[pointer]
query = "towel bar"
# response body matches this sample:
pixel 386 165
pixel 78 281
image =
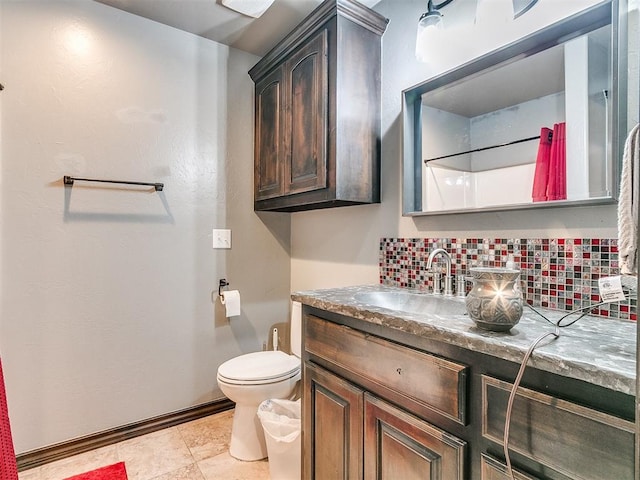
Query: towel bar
pixel 69 181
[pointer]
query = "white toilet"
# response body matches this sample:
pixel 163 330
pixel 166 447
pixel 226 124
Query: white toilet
pixel 250 379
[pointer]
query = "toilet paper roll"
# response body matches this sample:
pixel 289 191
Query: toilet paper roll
pixel 231 301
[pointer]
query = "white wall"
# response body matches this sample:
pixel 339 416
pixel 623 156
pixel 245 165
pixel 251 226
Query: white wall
pixel 106 315
pixel 339 247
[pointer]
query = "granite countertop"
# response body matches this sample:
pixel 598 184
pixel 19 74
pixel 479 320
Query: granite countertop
pixel 597 350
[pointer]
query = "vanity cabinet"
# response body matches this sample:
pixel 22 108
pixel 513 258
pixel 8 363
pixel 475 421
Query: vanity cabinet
pixel 351 432
pixel 382 403
pixel 317 112
pixel 393 444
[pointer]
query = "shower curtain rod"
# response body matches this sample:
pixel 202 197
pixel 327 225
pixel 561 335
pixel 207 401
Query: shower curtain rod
pixel 427 160
pixel 69 181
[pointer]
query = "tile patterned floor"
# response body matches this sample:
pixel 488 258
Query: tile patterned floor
pixel 197 450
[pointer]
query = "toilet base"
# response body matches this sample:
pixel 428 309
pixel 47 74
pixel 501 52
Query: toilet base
pixel 247 435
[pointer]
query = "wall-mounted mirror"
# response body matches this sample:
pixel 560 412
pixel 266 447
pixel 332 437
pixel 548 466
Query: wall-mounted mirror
pixel 538 123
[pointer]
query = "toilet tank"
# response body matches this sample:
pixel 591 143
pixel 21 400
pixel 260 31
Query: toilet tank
pixel 296 329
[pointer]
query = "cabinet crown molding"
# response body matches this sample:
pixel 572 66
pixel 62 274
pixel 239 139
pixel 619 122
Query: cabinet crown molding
pixel 348 9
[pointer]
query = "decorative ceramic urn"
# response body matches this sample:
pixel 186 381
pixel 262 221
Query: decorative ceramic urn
pixel 495 301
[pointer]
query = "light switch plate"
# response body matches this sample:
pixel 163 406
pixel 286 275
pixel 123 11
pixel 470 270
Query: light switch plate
pixel 221 238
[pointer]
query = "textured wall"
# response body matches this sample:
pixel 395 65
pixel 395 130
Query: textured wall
pixel 106 312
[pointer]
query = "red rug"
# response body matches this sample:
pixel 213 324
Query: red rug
pixel 112 472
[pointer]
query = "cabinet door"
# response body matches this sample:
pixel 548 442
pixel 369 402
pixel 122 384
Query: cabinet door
pixel 269 145
pixel 332 429
pixel 492 469
pixel 572 440
pixel 399 445
pixel 305 164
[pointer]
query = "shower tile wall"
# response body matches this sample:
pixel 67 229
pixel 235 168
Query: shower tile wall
pixel 557 273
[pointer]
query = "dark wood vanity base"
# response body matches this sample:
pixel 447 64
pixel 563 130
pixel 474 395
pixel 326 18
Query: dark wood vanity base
pixel 380 402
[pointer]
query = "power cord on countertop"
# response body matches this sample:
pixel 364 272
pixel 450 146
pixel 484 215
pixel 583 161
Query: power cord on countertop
pixel 555 334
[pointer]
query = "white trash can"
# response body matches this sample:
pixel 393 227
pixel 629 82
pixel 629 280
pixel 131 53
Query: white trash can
pixel 281 423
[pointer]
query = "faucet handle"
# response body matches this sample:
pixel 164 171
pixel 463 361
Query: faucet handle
pixel 448 285
pixel 437 282
pixel 461 284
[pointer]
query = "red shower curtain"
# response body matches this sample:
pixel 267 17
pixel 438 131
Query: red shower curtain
pixel 557 189
pixel 550 177
pixel 8 468
pixel 541 176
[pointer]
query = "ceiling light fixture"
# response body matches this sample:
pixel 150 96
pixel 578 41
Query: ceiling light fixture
pixel 250 8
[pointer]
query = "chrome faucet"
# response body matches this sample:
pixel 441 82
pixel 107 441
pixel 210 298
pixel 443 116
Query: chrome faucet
pixel 448 280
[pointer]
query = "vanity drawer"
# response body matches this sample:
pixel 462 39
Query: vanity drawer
pixel 390 369
pixel 573 440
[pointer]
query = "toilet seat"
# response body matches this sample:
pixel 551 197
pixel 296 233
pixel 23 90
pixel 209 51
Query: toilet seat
pixel 259 368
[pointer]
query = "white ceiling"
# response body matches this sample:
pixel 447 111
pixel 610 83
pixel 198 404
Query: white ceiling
pixel 210 19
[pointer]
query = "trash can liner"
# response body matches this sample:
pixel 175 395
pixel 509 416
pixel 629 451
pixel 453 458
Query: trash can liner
pixel 280 419
pixel 281 423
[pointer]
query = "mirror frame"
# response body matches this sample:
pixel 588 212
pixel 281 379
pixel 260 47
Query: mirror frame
pixel 612 12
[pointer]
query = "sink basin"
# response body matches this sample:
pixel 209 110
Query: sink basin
pixel 421 303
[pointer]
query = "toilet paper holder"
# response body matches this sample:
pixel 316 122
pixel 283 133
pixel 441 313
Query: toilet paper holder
pixel 223 283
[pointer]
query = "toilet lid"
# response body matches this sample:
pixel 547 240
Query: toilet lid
pixel 259 366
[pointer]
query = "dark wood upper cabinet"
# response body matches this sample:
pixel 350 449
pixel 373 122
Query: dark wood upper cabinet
pixel 317 112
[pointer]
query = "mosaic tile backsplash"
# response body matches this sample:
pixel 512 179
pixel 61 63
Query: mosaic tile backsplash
pixel 557 273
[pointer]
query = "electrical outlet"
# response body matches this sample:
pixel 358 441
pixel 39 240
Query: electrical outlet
pixel 221 238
